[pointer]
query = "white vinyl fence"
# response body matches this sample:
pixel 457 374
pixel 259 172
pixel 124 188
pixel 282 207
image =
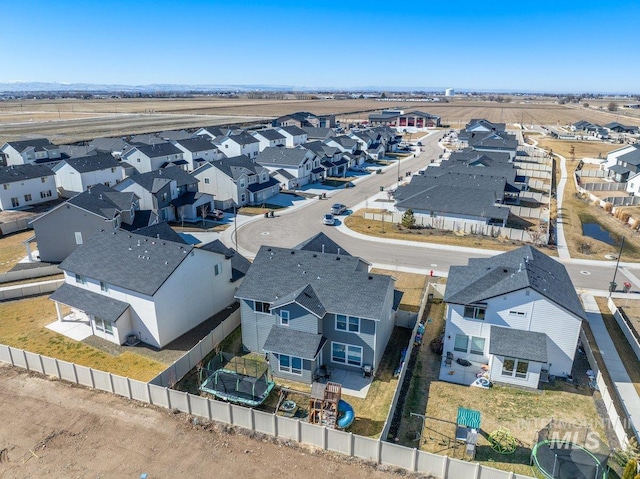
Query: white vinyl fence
pixel 594 173
pixel 462 226
pixel 625 325
pixel 16 225
pixel 604 186
pixel 174 373
pixel 29 273
pixel 33 289
pixel 616 423
pixel 326 439
pixel 535 213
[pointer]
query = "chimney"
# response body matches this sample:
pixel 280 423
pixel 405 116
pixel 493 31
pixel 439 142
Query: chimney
pixel 323 248
pixel 338 250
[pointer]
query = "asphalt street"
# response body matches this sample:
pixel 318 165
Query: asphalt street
pixel 292 227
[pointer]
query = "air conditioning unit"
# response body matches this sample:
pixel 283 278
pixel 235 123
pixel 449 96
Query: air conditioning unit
pixel 132 340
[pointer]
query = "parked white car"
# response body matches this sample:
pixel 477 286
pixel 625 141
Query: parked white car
pixel 329 219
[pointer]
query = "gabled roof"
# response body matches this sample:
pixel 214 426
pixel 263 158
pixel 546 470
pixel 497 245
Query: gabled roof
pixel 518 344
pixel 85 164
pixel 255 187
pixel 525 267
pixel 128 260
pixel 270 134
pixel 156 150
pixel 14 173
pixel 147 139
pixel 160 231
pixel 632 157
pixel 485 123
pixel 343 140
pixel 176 135
pixel 292 130
pixel 76 151
pixel 214 131
pixel 281 156
pixel 199 143
pixel 188 198
pixel 236 166
pixel 321 243
pixel 110 144
pixel 469 155
pixel 317 132
pixel 241 138
pixel 284 173
pixel 38 144
pixel 103 201
pixel 335 280
pixel 154 180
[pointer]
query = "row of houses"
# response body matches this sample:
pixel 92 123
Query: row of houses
pixel 475 185
pixel 602 132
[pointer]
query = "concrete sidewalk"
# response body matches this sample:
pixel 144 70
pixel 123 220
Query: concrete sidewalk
pixel 625 389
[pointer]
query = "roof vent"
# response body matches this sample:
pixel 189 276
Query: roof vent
pixel 315 255
pixel 138 242
pixel 293 252
pixel 166 262
pixel 268 249
pixel 370 277
pixel 298 265
pixel 304 272
pixel 129 248
pixel 337 258
pixel 318 277
pixel 504 270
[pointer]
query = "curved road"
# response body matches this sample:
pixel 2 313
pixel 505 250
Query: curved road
pixel 298 224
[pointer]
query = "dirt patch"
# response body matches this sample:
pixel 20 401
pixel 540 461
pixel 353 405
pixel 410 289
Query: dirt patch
pixel 75 432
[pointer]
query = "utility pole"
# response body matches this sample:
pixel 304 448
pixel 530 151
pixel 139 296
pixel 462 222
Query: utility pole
pixel 612 285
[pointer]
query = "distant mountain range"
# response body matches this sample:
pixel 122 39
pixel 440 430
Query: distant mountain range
pixel 27 86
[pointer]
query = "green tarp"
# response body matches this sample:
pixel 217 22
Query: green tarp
pixel 469 418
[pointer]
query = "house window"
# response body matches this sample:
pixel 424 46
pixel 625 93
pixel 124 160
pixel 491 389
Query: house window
pixel 5 186
pixel 138 159
pixel 350 323
pixel 521 314
pixel 104 287
pixel 290 364
pixel 515 367
pixel 164 197
pixel 477 346
pixel 461 343
pixel 217 269
pixel 103 325
pixel 206 181
pixel 284 318
pixel 113 170
pixel 27 197
pixel 78 235
pixel 80 279
pixel 45 194
pixel 43 179
pixel 475 312
pixel 242 184
pixel 15 202
pixel 263 307
pixel 242 198
pixel 346 354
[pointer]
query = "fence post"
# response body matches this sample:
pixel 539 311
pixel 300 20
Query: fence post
pixel 476 475
pixel 129 388
pixel 75 372
pixel 55 361
pixel 230 411
pixel 379 452
pixel 252 421
pixel 93 381
pixel 414 460
pixel 112 389
pixel 324 437
pixel 298 431
pixel 275 425
pixel 11 358
pixel 351 440
pixel 209 409
pixel 189 404
pixel 445 464
pixel 24 355
pixel 41 363
pixel 168 397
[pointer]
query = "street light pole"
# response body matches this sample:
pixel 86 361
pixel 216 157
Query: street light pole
pixel 235 225
pixel 612 285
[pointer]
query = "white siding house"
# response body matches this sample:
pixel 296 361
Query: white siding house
pixel 76 175
pixel 30 152
pixel 26 185
pixel 515 318
pixel 146 158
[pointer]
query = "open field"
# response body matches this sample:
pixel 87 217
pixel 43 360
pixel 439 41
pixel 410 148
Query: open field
pixel 53 429
pixel 22 325
pixel 67 120
pixel 582 149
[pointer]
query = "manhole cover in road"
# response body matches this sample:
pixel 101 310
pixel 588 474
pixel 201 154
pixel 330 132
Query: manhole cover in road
pixel 433 265
pixel 265 233
pixel 586 273
pixel 610 256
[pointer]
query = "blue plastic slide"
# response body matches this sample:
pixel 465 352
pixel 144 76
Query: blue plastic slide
pixel 347 415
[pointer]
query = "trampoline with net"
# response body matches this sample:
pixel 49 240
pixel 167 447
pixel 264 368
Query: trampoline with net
pixel 561 452
pixel 239 380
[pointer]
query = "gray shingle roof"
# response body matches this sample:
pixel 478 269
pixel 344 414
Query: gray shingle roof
pixel 174 135
pixel 99 305
pixel 103 201
pixel 633 157
pixel 109 144
pixel 321 243
pixel 237 166
pixel 157 150
pixel 525 267
pixel 239 264
pixel 278 155
pixel 254 187
pixel 317 132
pixel 128 260
pixel 299 344
pixel 76 151
pixel 270 134
pixel 12 174
pixel 280 272
pixel 161 231
pixel 85 164
pixel 486 123
pixel 518 344
pixel 199 143
pixel 243 138
pixel 293 130
pixel 149 183
pixel 38 144
pixel 284 173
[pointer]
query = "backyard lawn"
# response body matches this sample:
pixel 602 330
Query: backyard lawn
pixel 411 284
pixel 12 250
pixel 22 325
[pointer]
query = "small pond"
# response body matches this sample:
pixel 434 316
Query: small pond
pixel 595 231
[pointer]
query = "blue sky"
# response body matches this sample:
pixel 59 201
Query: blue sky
pixel 528 46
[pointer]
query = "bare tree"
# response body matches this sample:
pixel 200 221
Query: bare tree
pixel 204 209
pixel 537 234
pixel 181 212
pixel 613 106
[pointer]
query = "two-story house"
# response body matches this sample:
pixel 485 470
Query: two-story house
pixel 238 143
pixel 212 132
pixel 299 119
pixel 293 135
pixel 331 158
pixel 113 146
pixel 515 317
pixel 305 309
pixel 60 230
pixel 146 158
pixel 624 165
pixel 75 175
pixel 30 152
pixel 26 185
pixel 236 181
pixel 198 150
pixel 125 284
pixel 160 189
pixel 269 137
pixel 301 164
